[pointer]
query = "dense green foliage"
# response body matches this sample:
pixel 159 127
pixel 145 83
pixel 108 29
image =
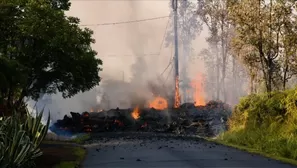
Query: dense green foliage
pixel 43 51
pixel 20 139
pixel 266 123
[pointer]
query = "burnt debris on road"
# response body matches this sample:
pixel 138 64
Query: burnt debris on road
pixel 207 121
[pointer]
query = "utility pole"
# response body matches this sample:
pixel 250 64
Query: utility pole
pixel 176 76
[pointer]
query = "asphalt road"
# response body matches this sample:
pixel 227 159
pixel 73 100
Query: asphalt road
pixel 169 152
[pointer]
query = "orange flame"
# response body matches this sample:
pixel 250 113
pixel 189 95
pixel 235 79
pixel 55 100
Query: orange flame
pixel 159 103
pixel 136 114
pixel 198 95
pixel 177 95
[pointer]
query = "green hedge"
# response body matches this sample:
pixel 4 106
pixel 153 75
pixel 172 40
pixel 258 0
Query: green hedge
pixel 266 123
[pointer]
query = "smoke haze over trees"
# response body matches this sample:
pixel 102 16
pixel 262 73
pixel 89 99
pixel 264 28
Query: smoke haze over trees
pixel 215 39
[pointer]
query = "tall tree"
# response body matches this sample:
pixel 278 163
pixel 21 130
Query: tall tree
pixel 214 14
pixel 44 51
pixel 288 40
pixel 266 26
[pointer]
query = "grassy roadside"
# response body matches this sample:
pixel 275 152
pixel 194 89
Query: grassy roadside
pixel 79 153
pixel 266 125
pixel 63 153
pixel 80 139
pixel 254 151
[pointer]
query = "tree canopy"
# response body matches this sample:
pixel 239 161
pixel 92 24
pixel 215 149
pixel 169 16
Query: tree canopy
pixel 258 35
pixel 43 51
pixel 268 29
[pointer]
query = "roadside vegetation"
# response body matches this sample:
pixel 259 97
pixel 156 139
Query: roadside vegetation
pixel 60 154
pixel 79 154
pixel 20 138
pixel 266 124
pixel 81 138
pixel 254 42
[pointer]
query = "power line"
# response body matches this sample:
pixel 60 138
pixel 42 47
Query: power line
pixel 170 62
pixel 163 39
pixel 168 74
pixel 95 0
pixel 87 0
pixel 167 67
pixel 164 36
pixel 124 22
pixel 129 55
pixel 137 55
pixel 151 54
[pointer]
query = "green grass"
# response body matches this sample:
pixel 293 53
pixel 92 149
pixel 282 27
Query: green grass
pixel 80 139
pixel 79 152
pixel 254 151
pixel 265 125
pixel 67 165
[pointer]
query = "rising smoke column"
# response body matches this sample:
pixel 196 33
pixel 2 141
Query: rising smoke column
pixel 137 45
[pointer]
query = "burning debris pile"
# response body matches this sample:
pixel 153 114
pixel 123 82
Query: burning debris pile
pixel 208 120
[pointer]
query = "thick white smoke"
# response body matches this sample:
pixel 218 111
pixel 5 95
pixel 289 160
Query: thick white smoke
pixel 131 68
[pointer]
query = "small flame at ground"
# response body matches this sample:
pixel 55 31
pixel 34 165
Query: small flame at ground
pixel 119 122
pixel 198 95
pixel 159 103
pixel 144 125
pixel 136 114
pixel 177 95
pixel 98 110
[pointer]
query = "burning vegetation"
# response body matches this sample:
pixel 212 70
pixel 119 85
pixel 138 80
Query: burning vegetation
pixel 159 103
pixel 197 85
pixel 135 113
pixel 177 95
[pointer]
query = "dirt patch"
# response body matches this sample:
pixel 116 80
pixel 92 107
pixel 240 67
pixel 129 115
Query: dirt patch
pixel 55 153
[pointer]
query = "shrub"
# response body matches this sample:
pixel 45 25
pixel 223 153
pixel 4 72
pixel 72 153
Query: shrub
pixel 20 139
pixel 267 123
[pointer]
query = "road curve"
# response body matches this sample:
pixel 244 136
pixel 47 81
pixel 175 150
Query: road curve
pixel 138 151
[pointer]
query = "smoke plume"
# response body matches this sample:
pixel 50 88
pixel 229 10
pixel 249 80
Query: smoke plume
pixel 132 66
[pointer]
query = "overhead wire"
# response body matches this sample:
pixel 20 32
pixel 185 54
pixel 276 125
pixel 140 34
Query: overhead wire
pixel 130 55
pixel 166 67
pixel 124 22
pixel 164 36
pixel 87 0
pixel 150 54
pixel 169 65
pixel 169 72
pixel 136 21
